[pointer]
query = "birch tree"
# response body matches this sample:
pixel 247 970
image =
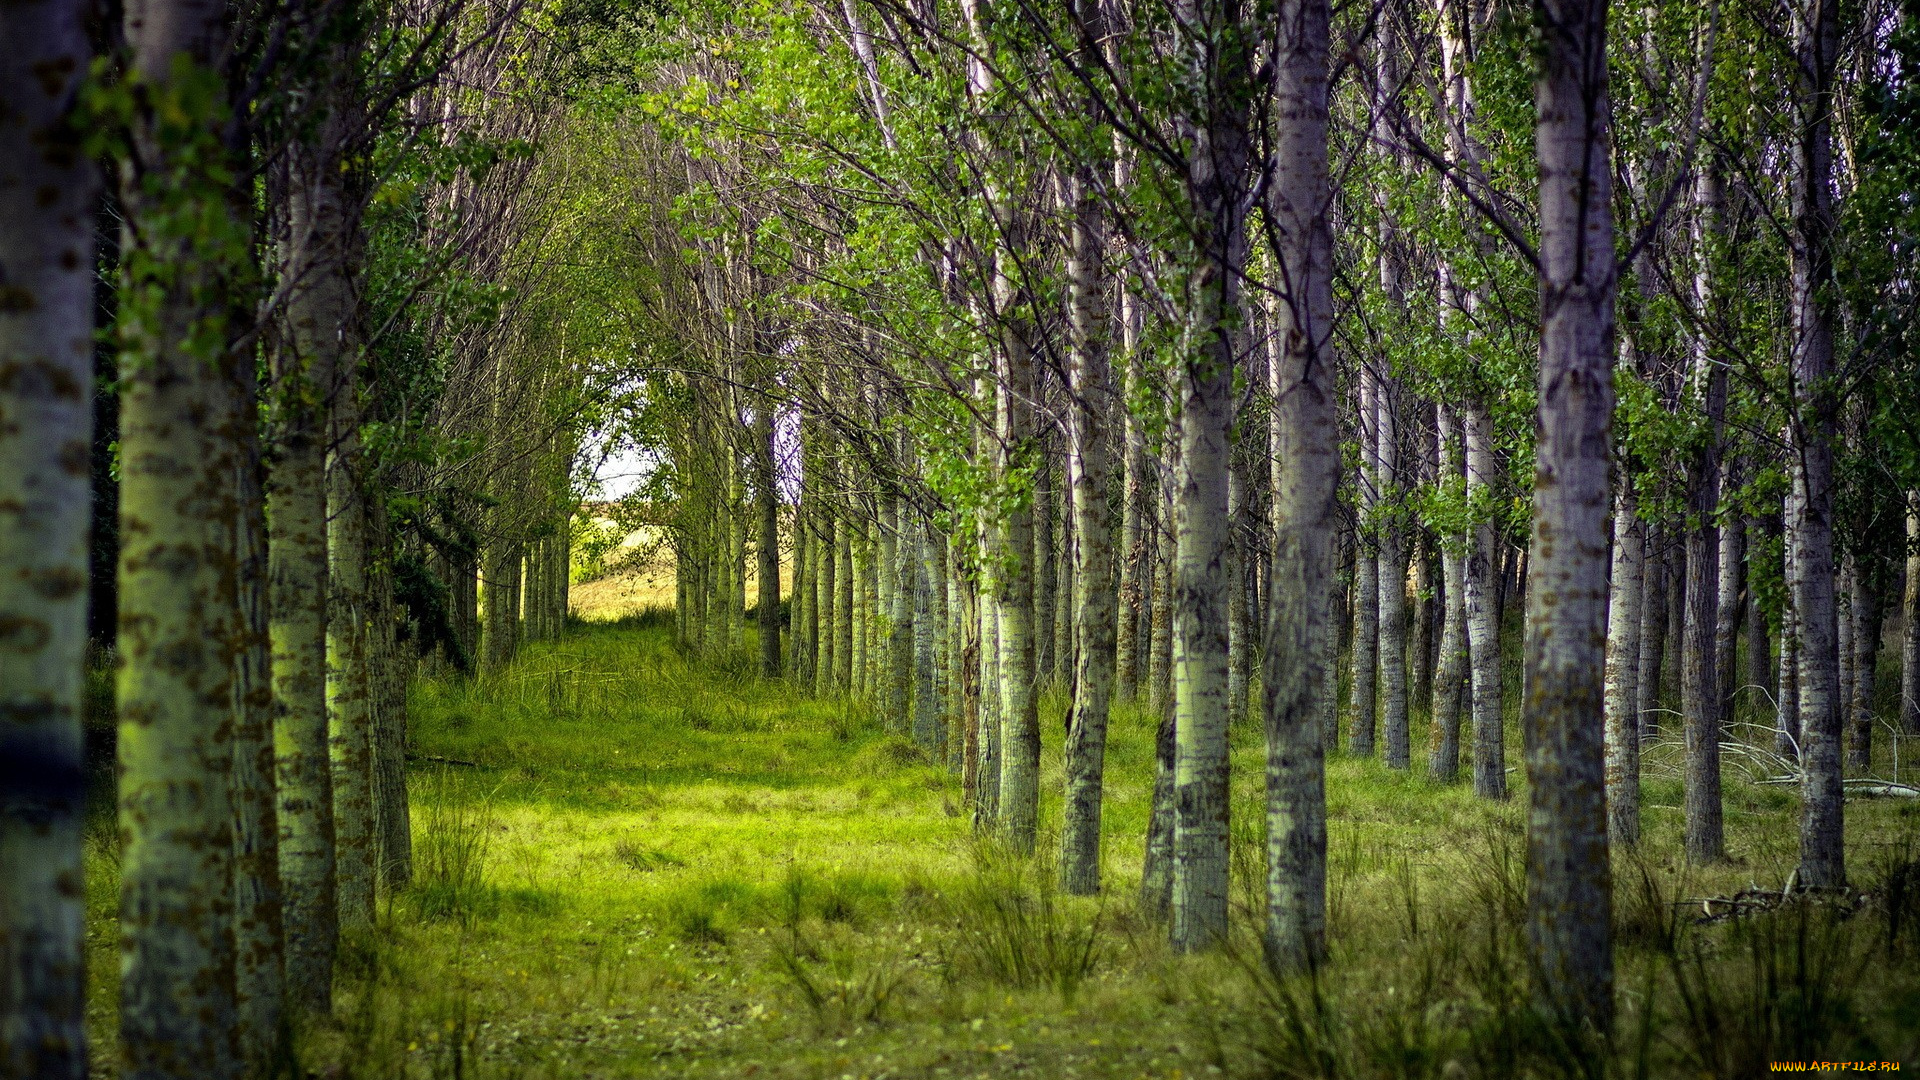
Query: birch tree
pixel 1568 878
pixel 1816 48
pixel 176 573
pixel 47 192
pixel 1300 628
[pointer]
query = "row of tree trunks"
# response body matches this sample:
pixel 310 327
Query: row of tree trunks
pixel 544 602
pixel 1626 615
pixel 260 675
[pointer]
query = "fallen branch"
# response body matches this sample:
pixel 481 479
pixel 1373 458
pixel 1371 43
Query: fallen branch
pixel 1755 900
pixel 1859 785
pixel 1884 788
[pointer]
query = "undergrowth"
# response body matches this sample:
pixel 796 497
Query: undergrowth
pixel 629 865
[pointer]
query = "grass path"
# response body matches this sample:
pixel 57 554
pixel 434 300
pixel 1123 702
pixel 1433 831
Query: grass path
pixel 653 871
pixel 627 867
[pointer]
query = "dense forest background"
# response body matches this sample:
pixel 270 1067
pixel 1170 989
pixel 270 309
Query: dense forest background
pixel 1284 538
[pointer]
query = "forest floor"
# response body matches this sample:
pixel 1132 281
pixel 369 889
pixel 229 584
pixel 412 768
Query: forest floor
pixel 630 866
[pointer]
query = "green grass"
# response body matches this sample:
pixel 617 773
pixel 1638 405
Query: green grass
pixel 651 869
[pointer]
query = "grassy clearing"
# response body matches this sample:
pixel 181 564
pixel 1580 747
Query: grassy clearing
pixel 652 870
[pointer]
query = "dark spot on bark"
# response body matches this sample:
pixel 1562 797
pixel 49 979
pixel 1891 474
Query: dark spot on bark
pixel 55 74
pixel 38 378
pixel 75 459
pixel 69 259
pixel 47 196
pixel 179 657
pixel 41 778
pixel 58 583
pixel 23 635
pixel 15 299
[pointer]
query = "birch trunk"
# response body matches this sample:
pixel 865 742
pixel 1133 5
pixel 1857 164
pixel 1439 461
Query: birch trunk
pixel 826 666
pixel 258 931
pixel 1910 607
pixel 177 1009
pixel 1786 737
pixel 992 708
pixel 1726 626
pixel 767 573
pixel 886 564
pixel 929 624
pixel 1420 642
pixel 349 719
pixel 390 662
pixel 1483 613
pixel 1450 668
pixel 860 604
pixel 1238 620
pixel 1569 888
pixel 1156 868
pixel 960 632
pixel 1364 655
pixel 902 627
pixel 1160 606
pixel 1201 582
pixel 176 581
pixel 304 365
pixel 1089 475
pixel 1653 631
pixel 1136 573
pixel 1822 828
pixel 798 668
pixel 1219 39
pixel 1759 653
pixel 1394 726
pixel 1866 651
pixel 1846 585
pixel 499 564
pixel 736 541
pixel 1460 24
pixel 1045 574
pixel 1300 628
pixel 48 190
pixel 462 567
pixel 1623 669
pixel 1702 694
pixel 966 677
pixel 1019 744
pixel 1674 658
pixel 806 643
pixel 1065 588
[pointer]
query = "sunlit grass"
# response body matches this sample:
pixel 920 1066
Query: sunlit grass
pixel 628 865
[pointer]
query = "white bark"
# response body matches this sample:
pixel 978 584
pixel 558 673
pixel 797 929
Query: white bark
pixel 1623 668
pixel 1093 600
pixel 1301 629
pixel 1569 887
pixel 47 192
pixel 1910 606
pixel 1822 828
pixel 1483 614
